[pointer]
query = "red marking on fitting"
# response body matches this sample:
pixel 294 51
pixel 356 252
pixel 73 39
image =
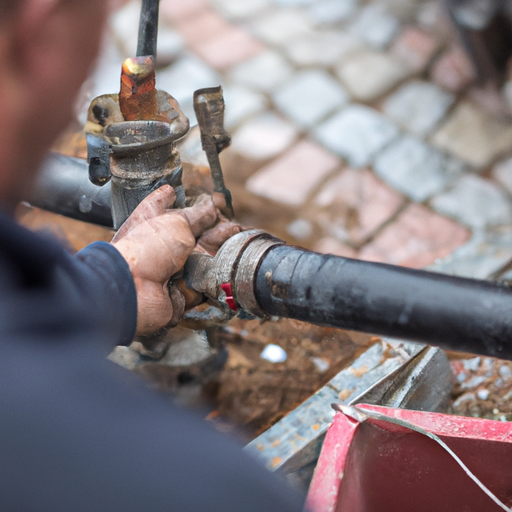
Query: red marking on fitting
pixel 230 301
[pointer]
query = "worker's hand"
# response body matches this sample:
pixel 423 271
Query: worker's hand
pixel 156 242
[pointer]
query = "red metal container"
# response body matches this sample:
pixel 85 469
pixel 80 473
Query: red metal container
pixel 377 459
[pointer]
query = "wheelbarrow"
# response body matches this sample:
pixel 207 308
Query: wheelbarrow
pixel 378 459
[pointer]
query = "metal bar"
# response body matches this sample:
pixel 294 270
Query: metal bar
pixel 148 28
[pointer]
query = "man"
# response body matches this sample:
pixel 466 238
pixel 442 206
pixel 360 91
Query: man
pixel 78 433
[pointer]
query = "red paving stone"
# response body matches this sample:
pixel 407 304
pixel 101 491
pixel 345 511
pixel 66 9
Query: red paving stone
pixel 291 178
pixel 173 11
pixel 453 70
pixel 416 239
pixel 357 203
pixel 229 48
pixel 204 26
pixel 329 245
pixel 415 47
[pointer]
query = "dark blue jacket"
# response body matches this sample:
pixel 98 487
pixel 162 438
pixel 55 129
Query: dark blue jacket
pixel 78 433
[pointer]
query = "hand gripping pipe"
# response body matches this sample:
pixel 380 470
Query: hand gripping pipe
pixel 258 273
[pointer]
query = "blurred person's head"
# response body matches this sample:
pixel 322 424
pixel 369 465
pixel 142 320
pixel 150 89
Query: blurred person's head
pixel 47 48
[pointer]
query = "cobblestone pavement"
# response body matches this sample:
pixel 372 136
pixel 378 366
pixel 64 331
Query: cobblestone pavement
pixel 357 126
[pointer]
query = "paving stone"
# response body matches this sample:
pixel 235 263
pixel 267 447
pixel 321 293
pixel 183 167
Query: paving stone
pixel 453 70
pixel 264 72
pixel 301 229
pixel 416 169
pixel 387 71
pixel 172 11
pixel 375 26
pixel 503 173
pixel 355 204
pixel 475 202
pixel 473 135
pixel 416 239
pixel 236 10
pixel 418 106
pixel 328 12
pixel 486 253
pixel 205 25
pixel 415 47
pixel 241 103
pixel 280 26
pixel 124 23
pixel 324 48
pixel 309 96
pixel 292 177
pixel 229 48
pixel 330 245
pixel 357 133
pixel 263 137
pixel 183 78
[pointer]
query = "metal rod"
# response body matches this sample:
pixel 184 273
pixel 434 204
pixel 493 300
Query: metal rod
pixel 148 28
pixel 454 313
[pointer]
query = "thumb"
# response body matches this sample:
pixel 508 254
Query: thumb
pixel 200 216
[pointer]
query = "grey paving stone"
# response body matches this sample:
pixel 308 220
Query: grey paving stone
pixel 369 74
pixel 503 173
pixel 328 12
pixel 241 103
pixel 324 48
pixel 183 78
pixel 418 106
pixel 375 26
pixel 263 72
pixel 236 10
pixel 263 137
pixel 474 135
pixel 475 202
pixel 310 96
pixel 415 168
pixel 357 133
pixel 485 254
pixel 278 27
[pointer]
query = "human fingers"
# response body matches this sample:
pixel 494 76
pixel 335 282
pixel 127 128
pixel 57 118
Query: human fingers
pixel 153 205
pixel 201 215
pixel 212 239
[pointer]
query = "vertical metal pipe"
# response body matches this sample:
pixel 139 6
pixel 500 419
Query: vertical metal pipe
pixel 148 28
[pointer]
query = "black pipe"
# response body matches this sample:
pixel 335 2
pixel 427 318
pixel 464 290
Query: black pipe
pixel 148 28
pixel 63 187
pixel 454 313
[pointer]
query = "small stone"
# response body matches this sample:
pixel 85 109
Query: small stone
pixel 301 229
pixel 483 394
pixel 321 364
pixel 240 10
pixel 503 173
pixel 280 26
pixel 310 96
pixel 415 239
pixel 328 12
pixel 292 177
pixel 274 354
pixel 415 47
pixel 264 72
pixel 375 26
pixel 471 365
pixel 453 70
pixel 357 133
pixel 418 106
pixel 355 204
pixel 323 48
pixel 368 74
pixel 474 135
pixel 228 48
pixel 416 169
pixel 183 78
pixel 505 372
pixel 330 245
pixel 475 202
pixel 241 103
pixel 263 137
